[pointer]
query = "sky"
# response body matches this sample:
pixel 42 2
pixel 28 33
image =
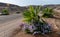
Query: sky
pixel 31 2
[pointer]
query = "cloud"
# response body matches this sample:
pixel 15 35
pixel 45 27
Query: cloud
pixel 31 2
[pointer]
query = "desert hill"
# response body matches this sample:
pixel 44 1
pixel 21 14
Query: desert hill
pixel 15 8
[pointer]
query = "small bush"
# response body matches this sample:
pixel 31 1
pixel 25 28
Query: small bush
pixel 17 12
pixel 5 12
pixel 47 12
pixel 36 25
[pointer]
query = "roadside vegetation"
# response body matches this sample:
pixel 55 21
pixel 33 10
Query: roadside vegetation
pixel 34 23
pixel 5 12
pixel 48 12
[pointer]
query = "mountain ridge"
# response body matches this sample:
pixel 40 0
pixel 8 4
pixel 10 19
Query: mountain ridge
pixel 15 8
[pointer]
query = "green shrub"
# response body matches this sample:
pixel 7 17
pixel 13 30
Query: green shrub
pixel 17 12
pixel 47 12
pixel 5 12
pixel 31 16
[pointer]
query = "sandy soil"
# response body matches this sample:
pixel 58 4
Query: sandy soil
pixel 55 27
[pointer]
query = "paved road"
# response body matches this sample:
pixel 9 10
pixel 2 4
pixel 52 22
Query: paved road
pixel 9 29
pixel 8 24
pixel 7 18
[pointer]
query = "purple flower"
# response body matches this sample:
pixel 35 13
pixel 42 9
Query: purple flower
pixel 25 26
pixel 30 28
